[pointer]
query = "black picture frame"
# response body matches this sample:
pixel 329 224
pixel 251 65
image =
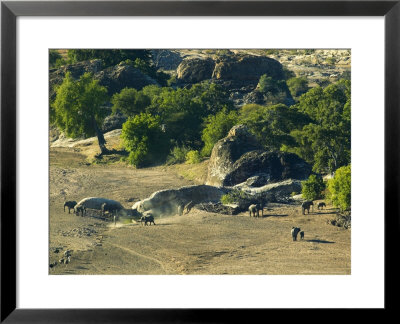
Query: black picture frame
pixel 10 10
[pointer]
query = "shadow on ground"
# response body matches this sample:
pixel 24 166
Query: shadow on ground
pixel 320 241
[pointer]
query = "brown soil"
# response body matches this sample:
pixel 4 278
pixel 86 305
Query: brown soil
pixel 195 243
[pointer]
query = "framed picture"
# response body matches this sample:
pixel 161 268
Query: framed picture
pixel 36 282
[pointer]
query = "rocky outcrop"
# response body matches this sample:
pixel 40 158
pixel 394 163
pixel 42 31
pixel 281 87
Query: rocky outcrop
pixel 248 68
pixel 195 70
pixel 166 59
pixel 56 76
pixel 236 74
pixel 268 166
pixel 118 77
pixel 227 151
pixel 113 122
pixel 170 201
pixel 114 78
pixel 273 192
pixel 238 158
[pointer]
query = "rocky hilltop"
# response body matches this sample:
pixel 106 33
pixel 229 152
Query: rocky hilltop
pixel 114 78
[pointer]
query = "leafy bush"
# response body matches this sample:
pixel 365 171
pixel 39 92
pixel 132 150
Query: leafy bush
pixel 297 86
pixel 313 187
pixel 235 196
pixel 272 124
pixel 216 127
pixel 339 188
pixel 109 56
pixel 267 84
pixel 55 59
pixel 193 157
pixel 177 155
pixel 130 102
pixel 143 138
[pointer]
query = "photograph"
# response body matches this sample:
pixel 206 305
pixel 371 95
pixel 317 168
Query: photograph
pixel 213 161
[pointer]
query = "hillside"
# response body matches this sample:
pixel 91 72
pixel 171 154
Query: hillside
pixel 195 140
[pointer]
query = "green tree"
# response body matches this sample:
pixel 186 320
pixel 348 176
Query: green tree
pixel 109 57
pixel 144 139
pixel 130 102
pixel 339 188
pixel 325 142
pixel 274 91
pixel 297 86
pixel 272 124
pixel 55 59
pixel 216 127
pixel 77 107
pixel 268 84
pixel 183 110
pixel 312 187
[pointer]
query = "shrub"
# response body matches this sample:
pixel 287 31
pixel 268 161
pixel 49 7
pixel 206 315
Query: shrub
pixel 313 187
pixel 235 196
pixel 193 157
pixel 297 86
pixel 216 127
pixel 339 188
pixel 266 84
pixel 130 102
pixel 144 140
pixel 177 155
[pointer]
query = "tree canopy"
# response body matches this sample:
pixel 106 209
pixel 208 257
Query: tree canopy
pixel 144 139
pixel 326 140
pixel 78 107
pixel 272 124
pixel 109 56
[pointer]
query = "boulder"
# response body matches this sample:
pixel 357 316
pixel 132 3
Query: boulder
pixel 238 157
pixel 113 122
pixel 227 151
pixel 167 202
pixel 166 59
pixel 195 70
pixel 248 68
pixel 272 192
pixel 118 77
pixel 56 76
pixel 268 166
pixel 114 78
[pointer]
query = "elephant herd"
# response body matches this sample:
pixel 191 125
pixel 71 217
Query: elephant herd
pixel 105 206
pixel 254 210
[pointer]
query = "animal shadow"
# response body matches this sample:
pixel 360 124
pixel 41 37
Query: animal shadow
pixel 275 215
pixel 320 241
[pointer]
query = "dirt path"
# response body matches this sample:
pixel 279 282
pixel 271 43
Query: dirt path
pixel 195 243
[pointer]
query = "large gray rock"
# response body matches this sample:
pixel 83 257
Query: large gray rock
pixel 96 202
pixel 166 59
pixel 169 201
pixel 248 68
pixel 195 70
pixel 273 192
pixel 113 122
pixel 227 151
pixel 238 157
pixel 118 77
pixel 56 76
pixel 269 166
pixel 114 78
